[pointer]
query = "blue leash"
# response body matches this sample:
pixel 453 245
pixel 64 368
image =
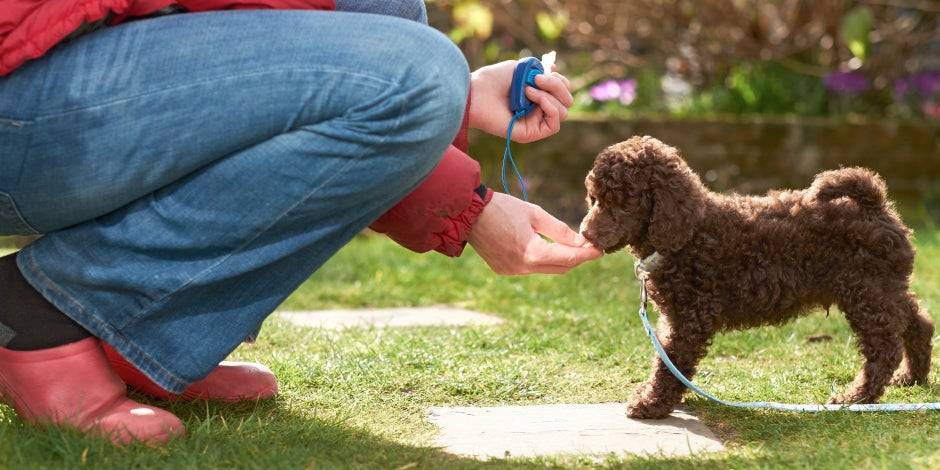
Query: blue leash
pixel 507 156
pixel 768 405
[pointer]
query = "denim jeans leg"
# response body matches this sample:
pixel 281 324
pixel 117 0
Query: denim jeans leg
pixel 414 10
pixel 236 171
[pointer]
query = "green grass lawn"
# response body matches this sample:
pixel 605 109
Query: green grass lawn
pixel 359 398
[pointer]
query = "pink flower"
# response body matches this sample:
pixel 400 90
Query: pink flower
pixel 931 110
pixel 605 91
pixel 621 90
pixel 627 92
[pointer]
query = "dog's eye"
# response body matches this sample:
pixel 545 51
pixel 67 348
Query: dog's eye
pixel 592 201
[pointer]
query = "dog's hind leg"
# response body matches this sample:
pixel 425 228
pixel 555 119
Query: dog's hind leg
pixel 879 329
pixel 685 345
pixel 917 338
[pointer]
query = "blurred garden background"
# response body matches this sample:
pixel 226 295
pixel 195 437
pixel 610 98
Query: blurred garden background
pixel 756 94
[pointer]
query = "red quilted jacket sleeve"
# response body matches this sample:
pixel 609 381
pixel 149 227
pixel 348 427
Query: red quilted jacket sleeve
pixel 207 5
pixel 146 7
pixel 439 213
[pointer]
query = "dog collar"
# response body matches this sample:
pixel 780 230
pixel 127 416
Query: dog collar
pixel 643 267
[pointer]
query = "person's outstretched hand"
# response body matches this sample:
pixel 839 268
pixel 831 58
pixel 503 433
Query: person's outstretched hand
pixel 507 237
pixel 489 102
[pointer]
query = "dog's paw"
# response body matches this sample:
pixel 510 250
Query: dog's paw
pixel 643 411
pixel 902 379
pixel 649 403
pixel 906 379
pixel 851 398
pixel 839 400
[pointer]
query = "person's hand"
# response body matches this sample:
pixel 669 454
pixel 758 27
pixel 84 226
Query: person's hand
pixel 489 102
pixel 507 237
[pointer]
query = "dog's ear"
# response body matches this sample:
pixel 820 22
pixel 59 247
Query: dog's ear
pixel 678 205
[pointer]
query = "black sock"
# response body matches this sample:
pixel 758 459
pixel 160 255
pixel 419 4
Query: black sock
pixel 27 320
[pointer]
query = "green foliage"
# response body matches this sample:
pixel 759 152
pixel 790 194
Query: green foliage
pixel 649 91
pixel 551 25
pixel 471 19
pixel 856 26
pixel 932 205
pixel 767 88
pixel 763 88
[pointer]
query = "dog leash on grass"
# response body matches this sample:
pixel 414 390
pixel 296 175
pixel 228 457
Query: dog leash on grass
pixel 641 269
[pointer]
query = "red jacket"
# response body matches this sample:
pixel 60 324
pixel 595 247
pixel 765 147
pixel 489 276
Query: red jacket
pixel 438 214
pixel 435 216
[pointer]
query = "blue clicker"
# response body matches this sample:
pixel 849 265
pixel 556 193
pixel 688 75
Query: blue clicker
pixel 520 106
pixel 525 73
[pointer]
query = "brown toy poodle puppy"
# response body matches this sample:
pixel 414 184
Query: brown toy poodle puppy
pixel 729 262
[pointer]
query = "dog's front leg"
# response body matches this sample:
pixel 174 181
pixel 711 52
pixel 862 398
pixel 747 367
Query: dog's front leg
pixel 876 319
pixel 686 344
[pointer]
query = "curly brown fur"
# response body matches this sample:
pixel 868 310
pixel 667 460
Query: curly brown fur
pixel 732 262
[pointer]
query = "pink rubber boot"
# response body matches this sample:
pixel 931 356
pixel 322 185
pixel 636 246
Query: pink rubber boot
pixel 231 381
pixel 74 386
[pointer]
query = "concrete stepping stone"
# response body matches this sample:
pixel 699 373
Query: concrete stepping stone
pixel 389 317
pixel 592 429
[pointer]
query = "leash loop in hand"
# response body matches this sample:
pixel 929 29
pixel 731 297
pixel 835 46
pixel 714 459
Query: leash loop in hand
pixel 507 157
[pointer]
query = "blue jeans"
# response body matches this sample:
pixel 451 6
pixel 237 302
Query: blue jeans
pixel 190 171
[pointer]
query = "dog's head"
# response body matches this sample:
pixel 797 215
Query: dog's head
pixel 641 194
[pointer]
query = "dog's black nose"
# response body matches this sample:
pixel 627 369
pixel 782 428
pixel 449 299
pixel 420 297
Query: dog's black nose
pixel 589 236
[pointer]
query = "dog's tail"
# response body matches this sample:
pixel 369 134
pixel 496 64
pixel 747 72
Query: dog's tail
pixel 862 185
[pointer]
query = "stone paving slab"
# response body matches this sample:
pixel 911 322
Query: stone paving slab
pixel 389 317
pixel 592 429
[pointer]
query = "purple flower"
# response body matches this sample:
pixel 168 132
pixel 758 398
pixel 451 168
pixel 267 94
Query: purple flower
pixel 847 83
pixel 608 90
pixel 926 83
pixel 901 86
pixel 923 83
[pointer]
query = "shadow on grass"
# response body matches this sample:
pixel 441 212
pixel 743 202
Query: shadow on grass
pixel 768 439
pixel 278 434
pixel 252 435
